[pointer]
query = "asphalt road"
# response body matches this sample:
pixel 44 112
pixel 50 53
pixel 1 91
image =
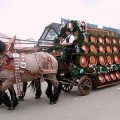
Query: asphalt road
pixel 100 104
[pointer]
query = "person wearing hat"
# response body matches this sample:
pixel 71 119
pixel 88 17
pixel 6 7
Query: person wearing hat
pixel 68 42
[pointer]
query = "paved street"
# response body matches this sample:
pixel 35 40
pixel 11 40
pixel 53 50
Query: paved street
pixel 100 104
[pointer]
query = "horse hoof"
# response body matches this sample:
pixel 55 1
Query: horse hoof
pixel 11 108
pixel 20 98
pixel 52 102
pixel 1 103
pixel 37 97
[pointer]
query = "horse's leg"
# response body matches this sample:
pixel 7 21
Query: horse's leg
pixel 57 88
pixel 23 92
pixel 38 89
pixel 14 100
pixel 1 100
pixel 6 100
pixel 49 89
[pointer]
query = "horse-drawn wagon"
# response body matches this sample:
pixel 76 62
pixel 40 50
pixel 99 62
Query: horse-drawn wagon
pixel 96 64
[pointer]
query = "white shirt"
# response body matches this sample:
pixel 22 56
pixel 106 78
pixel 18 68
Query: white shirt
pixel 71 38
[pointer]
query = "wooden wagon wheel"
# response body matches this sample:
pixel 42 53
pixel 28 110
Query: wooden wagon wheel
pixel 84 85
pixel 67 87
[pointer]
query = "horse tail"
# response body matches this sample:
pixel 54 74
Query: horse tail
pixel 32 84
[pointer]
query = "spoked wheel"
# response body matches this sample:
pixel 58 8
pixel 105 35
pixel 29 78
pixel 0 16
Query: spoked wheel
pixel 67 87
pixel 84 85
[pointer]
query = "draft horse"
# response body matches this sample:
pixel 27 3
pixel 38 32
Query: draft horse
pixel 36 65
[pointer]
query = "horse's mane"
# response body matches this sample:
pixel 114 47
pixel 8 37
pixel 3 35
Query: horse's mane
pixel 2 46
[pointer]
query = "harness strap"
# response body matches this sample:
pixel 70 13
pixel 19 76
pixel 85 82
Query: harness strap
pixel 23 71
pixel 49 65
pixel 19 84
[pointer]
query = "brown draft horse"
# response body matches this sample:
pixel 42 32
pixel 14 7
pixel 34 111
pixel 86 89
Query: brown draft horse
pixel 36 63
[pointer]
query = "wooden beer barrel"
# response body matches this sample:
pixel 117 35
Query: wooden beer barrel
pixel 116 48
pixel 119 41
pixel 108 40
pixel 117 75
pixel 101 79
pixel 101 47
pixel 85 47
pixel 102 59
pixel 93 39
pixel 108 48
pixel 109 58
pixel 93 48
pixel 116 58
pixel 107 77
pixel 93 59
pixel 113 76
pixel 83 61
pixel 86 39
pixel 114 41
pixel 101 39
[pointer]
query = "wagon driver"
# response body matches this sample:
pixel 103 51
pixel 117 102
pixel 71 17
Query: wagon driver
pixel 68 42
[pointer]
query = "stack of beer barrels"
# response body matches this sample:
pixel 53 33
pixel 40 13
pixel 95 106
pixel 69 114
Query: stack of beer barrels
pixel 103 53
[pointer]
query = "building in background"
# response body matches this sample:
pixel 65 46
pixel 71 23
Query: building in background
pixel 49 34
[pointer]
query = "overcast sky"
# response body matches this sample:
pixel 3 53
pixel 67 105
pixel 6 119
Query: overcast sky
pixel 28 18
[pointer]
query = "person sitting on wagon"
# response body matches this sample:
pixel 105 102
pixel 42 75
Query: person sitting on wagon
pixel 68 42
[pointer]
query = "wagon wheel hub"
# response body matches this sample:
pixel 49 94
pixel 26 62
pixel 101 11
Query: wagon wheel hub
pixel 86 86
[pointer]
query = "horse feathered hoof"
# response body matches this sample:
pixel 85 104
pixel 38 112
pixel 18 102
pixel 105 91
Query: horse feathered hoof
pixel 37 97
pixel 11 108
pixel 0 103
pixel 52 102
pixel 20 98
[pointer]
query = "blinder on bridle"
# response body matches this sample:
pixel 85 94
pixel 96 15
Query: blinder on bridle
pixel 2 46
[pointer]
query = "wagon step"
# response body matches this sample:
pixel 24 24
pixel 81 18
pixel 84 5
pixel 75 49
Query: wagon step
pixel 108 84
